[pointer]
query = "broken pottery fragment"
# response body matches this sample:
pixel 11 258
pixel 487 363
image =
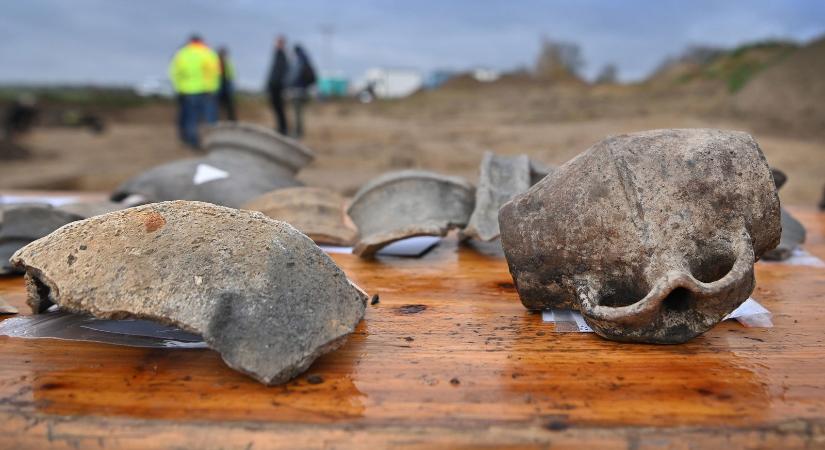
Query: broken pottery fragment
pixel 7 248
pixel 23 223
pixel 259 292
pixel 793 232
pixel 317 212
pixel 500 178
pixel 408 203
pixel 779 177
pixel 244 161
pixel 652 235
pixel 539 171
pixel 251 138
pixel 91 209
pixel 793 235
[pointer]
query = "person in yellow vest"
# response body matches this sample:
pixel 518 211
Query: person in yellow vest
pixel 226 93
pixel 195 72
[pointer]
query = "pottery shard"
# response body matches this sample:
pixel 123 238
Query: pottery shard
pixel 779 177
pixel 259 292
pixel 793 232
pixel 408 203
pixel 256 139
pixel 538 171
pixel 500 178
pixel 23 223
pixel 319 213
pixel 91 209
pixel 793 235
pixel 244 161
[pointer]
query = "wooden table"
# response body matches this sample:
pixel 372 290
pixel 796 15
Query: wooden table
pixel 448 358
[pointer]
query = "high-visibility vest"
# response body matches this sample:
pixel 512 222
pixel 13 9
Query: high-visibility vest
pixel 195 69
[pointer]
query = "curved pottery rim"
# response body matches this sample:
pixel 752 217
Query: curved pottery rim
pixel 410 174
pixel 214 141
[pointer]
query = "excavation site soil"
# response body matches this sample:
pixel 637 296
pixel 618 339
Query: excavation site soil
pixel 445 130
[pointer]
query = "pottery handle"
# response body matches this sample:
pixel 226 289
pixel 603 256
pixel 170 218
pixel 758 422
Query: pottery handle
pixel 740 274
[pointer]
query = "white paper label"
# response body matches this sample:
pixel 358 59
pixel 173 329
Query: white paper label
pixel 205 173
pixel 566 321
pixel 748 308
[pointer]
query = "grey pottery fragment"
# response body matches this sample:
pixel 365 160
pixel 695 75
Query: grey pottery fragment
pixel 251 138
pixel 539 171
pixel 91 209
pixel 7 248
pixel 258 291
pixel 652 235
pixel 779 178
pixel 501 178
pixel 408 203
pixel 250 160
pixel 23 223
pixel 317 212
pixel 793 232
pixel 793 235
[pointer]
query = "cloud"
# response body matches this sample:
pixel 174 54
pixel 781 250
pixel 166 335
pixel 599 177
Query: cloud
pixel 99 41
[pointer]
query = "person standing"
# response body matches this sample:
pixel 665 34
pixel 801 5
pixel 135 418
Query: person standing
pixel 277 82
pixel 226 93
pixel 195 75
pixel 303 78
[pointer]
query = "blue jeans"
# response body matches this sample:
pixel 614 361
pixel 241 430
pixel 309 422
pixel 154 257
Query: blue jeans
pixel 194 109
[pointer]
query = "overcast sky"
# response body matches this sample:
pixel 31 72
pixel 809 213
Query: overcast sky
pixel 108 41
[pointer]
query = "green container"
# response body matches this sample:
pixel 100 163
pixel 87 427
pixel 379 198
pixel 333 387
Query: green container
pixel 332 86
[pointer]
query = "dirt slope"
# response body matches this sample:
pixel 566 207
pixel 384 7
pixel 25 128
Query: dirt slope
pixel 791 93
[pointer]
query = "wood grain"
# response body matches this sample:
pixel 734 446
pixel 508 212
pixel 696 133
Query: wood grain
pixel 448 358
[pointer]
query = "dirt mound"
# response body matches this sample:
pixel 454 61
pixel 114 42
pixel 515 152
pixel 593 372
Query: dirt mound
pixel 727 69
pixel 791 93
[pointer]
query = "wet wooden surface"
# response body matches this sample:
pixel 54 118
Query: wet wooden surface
pixel 448 358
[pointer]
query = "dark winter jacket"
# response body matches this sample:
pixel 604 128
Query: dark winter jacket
pixel 278 73
pixel 304 74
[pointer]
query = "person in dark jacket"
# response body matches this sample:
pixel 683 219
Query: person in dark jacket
pixel 226 93
pixel 303 77
pixel 277 82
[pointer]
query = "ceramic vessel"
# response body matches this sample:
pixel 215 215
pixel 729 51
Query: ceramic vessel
pixel 652 235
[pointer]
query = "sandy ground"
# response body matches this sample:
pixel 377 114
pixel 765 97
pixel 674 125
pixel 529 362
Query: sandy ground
pixel 356 142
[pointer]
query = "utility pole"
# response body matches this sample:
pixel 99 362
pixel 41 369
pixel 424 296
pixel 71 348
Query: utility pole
pixel 328 33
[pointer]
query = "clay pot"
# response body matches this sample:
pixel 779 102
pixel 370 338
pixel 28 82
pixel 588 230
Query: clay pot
pixel 652 236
